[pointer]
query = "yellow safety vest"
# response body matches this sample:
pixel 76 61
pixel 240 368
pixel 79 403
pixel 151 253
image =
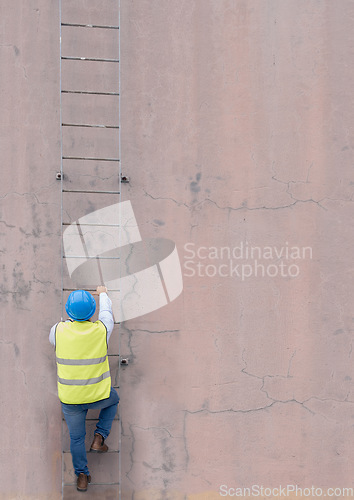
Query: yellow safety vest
pixel 82 362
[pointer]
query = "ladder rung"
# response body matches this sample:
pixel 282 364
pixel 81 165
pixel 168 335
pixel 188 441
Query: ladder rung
pixel 85 191
pixel 89 158
pixel 92 225
pixel 93 484
pixel 76 25
pixel 89 126
pixel 88 289
pixel 89 92
pixel 91 419
pixel 95 419
pixel 89 258
pixel 95 59
pixel 109 451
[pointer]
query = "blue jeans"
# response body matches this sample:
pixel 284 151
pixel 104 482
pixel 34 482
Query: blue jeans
pixel 75 416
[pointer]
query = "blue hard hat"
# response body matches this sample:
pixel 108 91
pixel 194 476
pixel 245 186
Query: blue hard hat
pixel 80 305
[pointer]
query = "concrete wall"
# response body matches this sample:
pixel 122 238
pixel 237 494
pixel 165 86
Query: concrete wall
pixel 236 133
pixel 30 249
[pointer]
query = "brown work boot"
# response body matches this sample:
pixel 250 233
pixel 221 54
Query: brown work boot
pixel 98 444
pixel 82 481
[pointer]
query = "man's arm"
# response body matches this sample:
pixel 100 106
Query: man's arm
pixel 105 314
pixel 52 334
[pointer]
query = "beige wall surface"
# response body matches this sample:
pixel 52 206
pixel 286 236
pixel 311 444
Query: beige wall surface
pixel 30 249
pixel 237 136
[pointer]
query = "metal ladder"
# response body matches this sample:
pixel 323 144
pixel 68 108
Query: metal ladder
pixel 90 177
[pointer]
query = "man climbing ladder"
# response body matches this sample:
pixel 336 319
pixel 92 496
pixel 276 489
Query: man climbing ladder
pixel 84 380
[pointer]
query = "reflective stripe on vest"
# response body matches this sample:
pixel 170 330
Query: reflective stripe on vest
pixel 87 381
pixel 93 361
pixel 82 362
